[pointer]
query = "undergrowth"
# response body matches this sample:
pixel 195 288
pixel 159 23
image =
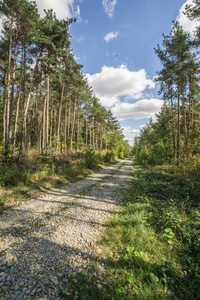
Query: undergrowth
pixel 38 173
pixel 151 248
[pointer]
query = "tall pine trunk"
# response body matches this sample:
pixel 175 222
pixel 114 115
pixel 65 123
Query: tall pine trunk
pixel 59 116
pixel 173 128
pixel 101 136
pixel 90 134
pixel 184 117
pixel 189 109
pixel 51 125
pixel 178 128
pixel 65 127
pixel 13 84
pixel 73 124
pixel 18 104
pixel 8 84
pixel 4 107
pixel 78 129
pixel 44 125
pixel 68 124
pixel 47 114
pixel 86 130
pixel 39 129
pixel 93 135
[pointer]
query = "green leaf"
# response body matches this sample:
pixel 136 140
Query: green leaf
pixel 130 249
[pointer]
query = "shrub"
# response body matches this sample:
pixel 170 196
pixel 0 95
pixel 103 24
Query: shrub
pixel 90 159
pixel 12 176
pixel 110 156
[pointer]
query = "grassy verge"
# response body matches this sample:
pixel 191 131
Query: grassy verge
pixel 151 249
pixel 38 174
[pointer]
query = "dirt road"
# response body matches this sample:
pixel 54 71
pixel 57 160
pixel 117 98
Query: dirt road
pixel 45 239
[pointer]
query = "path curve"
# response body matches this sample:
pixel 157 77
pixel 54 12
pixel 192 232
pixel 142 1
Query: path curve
pixel 43 240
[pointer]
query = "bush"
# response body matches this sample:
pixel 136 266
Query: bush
pixel 110 156
pixel 91 159
pixel 12 176
pixel 143 157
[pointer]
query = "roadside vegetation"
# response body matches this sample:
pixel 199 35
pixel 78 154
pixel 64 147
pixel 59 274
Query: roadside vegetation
pixel 37 174
pixel 151 247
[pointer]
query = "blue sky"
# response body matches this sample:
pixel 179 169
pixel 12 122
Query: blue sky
pixel 114 41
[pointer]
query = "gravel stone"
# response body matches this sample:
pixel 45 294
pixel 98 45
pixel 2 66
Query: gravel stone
pixel 3 278
pixel 20 297
pixel 55 234
pixel 54 279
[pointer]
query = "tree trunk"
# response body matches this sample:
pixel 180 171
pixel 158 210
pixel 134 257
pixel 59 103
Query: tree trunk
pixel 24 94
pixel 73 124
pixel 86 130
pixel 16 119
pixel 8 84
pixel 18 103
pixel 189 109
pixel 173 128
pixel 178 128
pixel 44 125
pixel 93 137
pixel 90 134
pixel 184 122
pixel 13 83
pixel 59 116
pixel 61 139
pixel 101 137
pixel 78 129
pixel 47 110
pixel 51 126
pixel 30 128
pixel 106 139
pixel 65 127
pixel 4 108
pixel 39 131
pixel 68 124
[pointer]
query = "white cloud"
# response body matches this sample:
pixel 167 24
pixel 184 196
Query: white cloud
pixel 77 14
pixel 113 83
pixel 111 35
pixel 130 134
pixel 63 8
pixel 76 57
pixel 138 110
pixel 114 54
pixel 187 24
pixel 128 131
pixel 79 39
pixel 109 6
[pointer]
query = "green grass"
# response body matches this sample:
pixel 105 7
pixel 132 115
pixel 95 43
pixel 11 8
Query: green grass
pixel 151 249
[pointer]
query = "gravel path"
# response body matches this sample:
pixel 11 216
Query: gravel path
pixel 45 239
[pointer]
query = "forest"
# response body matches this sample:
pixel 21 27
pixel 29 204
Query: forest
pixel 48 110
pixel 174 137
